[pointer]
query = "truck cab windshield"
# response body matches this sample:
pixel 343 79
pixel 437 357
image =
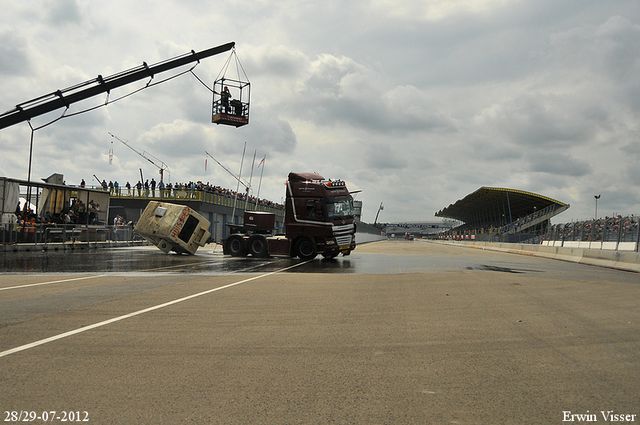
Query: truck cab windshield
pixel 339 206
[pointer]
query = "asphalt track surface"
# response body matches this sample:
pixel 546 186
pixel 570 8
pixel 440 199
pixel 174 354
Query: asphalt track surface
pixel 397 333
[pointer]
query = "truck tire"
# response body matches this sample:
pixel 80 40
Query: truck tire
pixel 258 246
pixel 236 246
pixel 305 249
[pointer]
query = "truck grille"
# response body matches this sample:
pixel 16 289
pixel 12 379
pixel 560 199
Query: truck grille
pixel 342 229
pixel 343 240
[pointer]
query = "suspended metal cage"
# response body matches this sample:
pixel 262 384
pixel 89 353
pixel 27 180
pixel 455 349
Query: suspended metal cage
pixel 231 96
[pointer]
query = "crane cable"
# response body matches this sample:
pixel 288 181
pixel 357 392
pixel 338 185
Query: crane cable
pixel 239 66
pixel 223 71
pixel 108 101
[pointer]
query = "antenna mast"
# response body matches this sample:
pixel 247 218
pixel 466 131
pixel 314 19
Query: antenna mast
pixel 162 167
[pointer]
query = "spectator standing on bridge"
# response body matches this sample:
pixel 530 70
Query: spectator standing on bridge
pixel 128 186
pixel 82 183
pixel 153 187
pixel 139 187
pixel 146 188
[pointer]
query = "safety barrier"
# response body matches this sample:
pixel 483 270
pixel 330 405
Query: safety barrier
pixel 15 237
pixel 629 261
pixel 609 233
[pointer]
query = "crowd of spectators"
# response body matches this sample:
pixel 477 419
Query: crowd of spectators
pixel 30 225
pixel 607 229
pixel 28 220
pixel 77 213
pixel 169 190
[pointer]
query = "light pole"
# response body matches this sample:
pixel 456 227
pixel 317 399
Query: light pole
pixel 596 197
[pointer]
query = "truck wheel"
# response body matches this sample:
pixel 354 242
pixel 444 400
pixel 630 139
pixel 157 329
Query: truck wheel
pixel 305 249
pixel 235 246
pixel 258 246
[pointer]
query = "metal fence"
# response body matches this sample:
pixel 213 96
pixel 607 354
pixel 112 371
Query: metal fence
pixel 199 195
pixel 63 236
pixel 613 233
pixel 522 238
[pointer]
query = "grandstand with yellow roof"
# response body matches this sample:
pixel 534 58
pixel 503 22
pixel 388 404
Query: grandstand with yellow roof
pixel 501 214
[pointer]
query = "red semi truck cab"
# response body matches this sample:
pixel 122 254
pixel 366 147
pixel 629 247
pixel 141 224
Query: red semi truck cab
pixel 319 216
pixel 318 219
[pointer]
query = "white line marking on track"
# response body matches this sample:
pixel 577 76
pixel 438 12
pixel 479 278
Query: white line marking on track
pixel 49 283
pixel 139 312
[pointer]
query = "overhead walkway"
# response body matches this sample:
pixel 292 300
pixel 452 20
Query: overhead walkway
pixel 195 195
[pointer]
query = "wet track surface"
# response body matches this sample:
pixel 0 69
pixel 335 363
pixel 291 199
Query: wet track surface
pixel 148 260
pixel 207 261
pixel 398 332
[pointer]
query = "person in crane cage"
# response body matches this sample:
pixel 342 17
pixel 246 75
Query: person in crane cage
pixel 224 99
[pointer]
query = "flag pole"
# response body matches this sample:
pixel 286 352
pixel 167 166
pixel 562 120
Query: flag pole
pixel 235 200
pixel 260 184
pixel 251 176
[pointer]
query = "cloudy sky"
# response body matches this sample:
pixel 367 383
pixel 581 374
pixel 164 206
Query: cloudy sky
pixel 417 103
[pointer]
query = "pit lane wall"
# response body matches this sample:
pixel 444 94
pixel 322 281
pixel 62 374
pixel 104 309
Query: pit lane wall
pixel 621 260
